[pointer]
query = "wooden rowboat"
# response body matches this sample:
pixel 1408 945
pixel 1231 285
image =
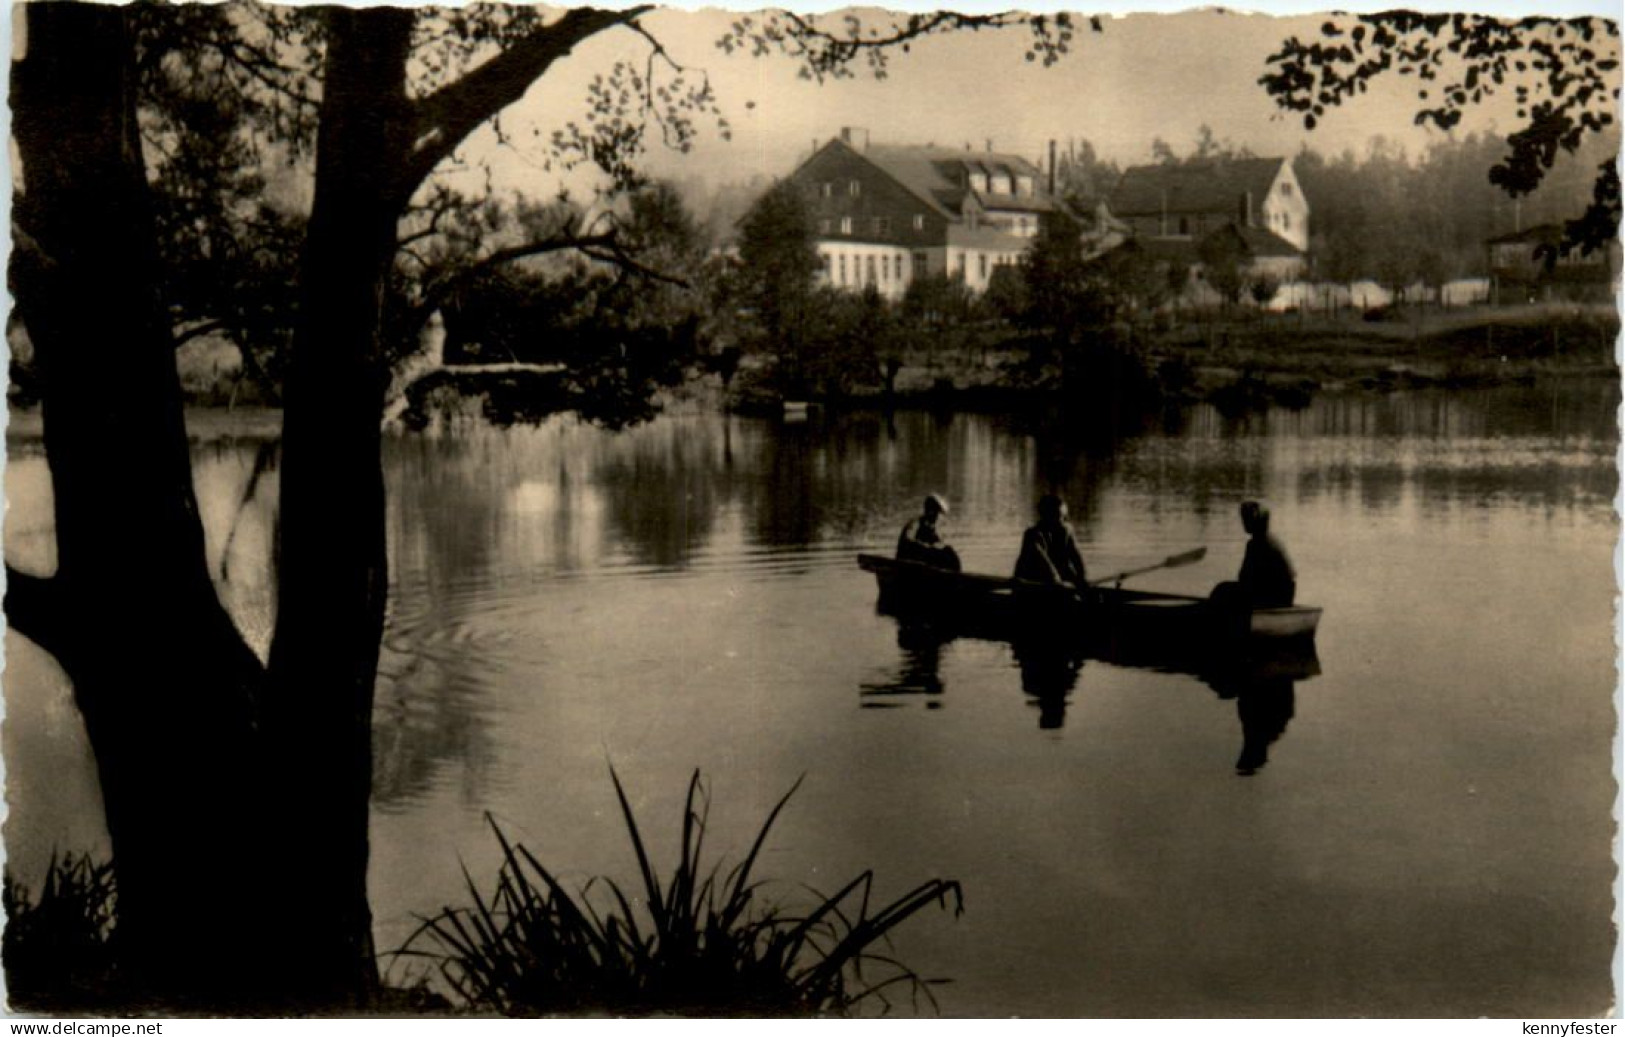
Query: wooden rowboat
pixel 993 606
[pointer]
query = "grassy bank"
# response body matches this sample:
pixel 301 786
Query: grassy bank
pixel 1255 359
pixel 1398 347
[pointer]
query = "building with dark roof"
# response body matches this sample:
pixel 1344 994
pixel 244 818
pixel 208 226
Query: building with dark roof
pixel 1194 199
pixel 1530 265
pixel 1257 199
pixel 888 214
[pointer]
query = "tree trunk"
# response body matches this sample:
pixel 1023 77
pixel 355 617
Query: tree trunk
pixel 165 684
pixel 332 578
pixel 237 795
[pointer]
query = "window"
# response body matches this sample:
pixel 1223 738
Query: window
pixel 1024 185
pixel 1286 190
pixel 823 261
pixel 978 182
pixel 983 265
pixel 842 279
pixel 1184 225
pixel 919 221
pixel 882 226
pixel 1000 184
pixel 854 188
pixel 846 225
pixel 826 189
pixel 899 265
pixel 922 265
pixel 869 268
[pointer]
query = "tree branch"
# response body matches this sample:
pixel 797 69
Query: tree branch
pixel 451 113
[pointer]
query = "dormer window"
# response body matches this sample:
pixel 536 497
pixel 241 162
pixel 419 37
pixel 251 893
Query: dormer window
pixel 978 182
pixel 854 188
pixel 919 221
pixel 1000 184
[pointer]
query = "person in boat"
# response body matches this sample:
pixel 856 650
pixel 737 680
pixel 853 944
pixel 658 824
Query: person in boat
pixel 1266 576
pixel 1267 579
pixel 921 540
pixel 1048 552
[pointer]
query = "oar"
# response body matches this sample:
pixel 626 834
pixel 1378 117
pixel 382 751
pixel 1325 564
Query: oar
pixel 1171 562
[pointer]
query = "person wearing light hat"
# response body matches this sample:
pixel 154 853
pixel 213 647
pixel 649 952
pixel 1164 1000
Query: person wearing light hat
pixel 922 542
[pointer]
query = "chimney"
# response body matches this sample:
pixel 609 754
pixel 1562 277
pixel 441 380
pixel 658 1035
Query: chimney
pixel 855 137
pixel 1052 167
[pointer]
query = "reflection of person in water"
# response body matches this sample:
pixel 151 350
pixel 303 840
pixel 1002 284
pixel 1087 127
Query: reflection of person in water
pixel 1049 672
pixel 918 678
pixel 1264 705
pixel 921 541
pixel 922 659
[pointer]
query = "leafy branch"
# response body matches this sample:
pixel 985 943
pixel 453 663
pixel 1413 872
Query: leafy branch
pixel 1564 75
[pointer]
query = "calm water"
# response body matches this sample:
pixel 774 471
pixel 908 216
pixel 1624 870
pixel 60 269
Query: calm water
pixel 1431 835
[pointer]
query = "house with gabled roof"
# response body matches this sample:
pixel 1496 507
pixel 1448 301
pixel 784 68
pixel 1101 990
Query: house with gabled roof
pixel 1530 265
pixel 888 214
pixel 1259 200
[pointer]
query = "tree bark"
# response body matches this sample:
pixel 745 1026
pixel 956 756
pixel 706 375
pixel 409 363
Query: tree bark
pixel 237 795
pixel 166 685
pixel 332 578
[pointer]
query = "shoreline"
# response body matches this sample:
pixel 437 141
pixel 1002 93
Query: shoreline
pixel 1248 392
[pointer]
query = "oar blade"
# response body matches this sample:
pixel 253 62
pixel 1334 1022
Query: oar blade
pixel 1190 557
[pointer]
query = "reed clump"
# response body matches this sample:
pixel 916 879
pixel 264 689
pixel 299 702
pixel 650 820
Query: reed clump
pixel 58 947
pixel 702 942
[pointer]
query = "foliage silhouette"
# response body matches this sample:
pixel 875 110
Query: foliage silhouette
pixel 703 942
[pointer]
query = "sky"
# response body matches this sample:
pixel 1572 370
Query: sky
pixel 1146 76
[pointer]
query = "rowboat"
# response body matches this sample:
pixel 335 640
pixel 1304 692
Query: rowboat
pixel 984 605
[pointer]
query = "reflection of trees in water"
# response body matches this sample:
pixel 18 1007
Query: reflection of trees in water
pixel 663 489
pixel 1560 409
pixel 451 538
pixel 429 714
pixel 446 509
pixel 1077 453
pixel 1197 474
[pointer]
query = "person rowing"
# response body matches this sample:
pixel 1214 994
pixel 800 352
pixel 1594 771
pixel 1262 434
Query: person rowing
pixel 921 541
pixel 1048 552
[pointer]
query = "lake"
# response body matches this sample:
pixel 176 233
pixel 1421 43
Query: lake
pixel 1431 834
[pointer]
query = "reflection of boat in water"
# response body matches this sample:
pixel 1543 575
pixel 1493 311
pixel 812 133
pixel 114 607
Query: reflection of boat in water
pixel 1052 633
pixel 979 605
